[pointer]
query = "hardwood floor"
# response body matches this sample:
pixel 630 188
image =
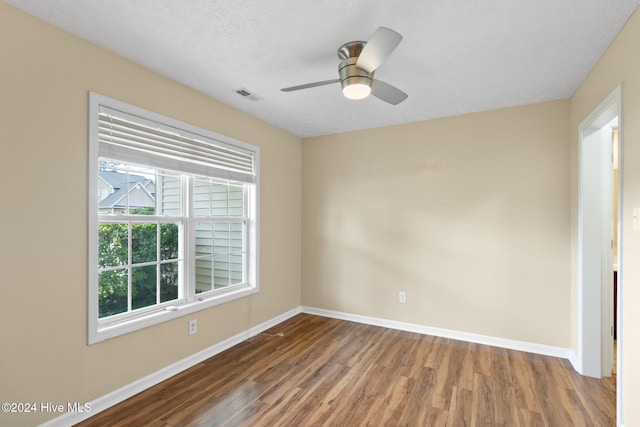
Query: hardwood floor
pixel 328 372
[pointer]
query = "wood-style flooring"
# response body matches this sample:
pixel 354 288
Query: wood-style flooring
pixel 329 372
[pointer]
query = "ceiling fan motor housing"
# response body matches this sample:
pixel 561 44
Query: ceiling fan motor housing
pixel 350 74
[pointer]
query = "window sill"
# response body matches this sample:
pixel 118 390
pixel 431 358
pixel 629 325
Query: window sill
pixel 103 332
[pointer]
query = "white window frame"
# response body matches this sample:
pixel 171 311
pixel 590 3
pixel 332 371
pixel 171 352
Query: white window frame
pixel 112 326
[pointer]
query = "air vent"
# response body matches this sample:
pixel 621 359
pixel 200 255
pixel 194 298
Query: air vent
pixel 247 94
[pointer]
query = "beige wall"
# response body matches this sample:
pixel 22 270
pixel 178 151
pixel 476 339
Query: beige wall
pixel 469 215
pixel 619 65
pixel 45 77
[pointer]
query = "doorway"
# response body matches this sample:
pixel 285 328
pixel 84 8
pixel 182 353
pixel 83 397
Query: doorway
pixel 598 216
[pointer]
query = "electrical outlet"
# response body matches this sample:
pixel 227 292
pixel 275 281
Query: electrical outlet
pixel 402 297
pixel 193 326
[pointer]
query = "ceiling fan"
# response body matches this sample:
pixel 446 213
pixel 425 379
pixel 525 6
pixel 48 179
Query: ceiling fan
pixel 358 62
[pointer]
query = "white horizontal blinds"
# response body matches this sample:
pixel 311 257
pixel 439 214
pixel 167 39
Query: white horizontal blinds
pixel 134 139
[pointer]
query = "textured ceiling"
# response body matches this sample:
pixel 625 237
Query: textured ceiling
pixel 457 56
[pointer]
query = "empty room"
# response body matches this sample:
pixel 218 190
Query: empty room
pixel 320 213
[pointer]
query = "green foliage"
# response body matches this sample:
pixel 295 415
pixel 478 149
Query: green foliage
pixel 142 211
pixel 113 251
pixel 168 271
pixel 112 245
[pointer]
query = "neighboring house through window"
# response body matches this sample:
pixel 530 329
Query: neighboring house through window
pixel 114 190
pixel 173 219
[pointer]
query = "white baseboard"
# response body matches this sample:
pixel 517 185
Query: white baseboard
pixel 575 362
pixel 542 349
pixel 123 393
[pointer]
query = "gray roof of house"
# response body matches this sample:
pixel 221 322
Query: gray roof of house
pixel 118 181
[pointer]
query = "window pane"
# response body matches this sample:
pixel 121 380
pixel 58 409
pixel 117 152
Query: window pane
pixel 204 238
pixel 144 243
pixel 237 267
pixel 169 239
pixel 168 281
pixel 113 245
pixel 169 192
pixel 204 274
pixel 236 200
pixel 237 237
pixel 126 189
pixel 219 199
pixel 143 286
pixel 221 271
pixel 142 191
pixel 113 288
pixel 221 238
pixel 201 196
pixel 215 198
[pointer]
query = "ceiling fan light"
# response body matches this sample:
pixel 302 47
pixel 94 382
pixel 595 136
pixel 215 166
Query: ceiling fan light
pixel 356 91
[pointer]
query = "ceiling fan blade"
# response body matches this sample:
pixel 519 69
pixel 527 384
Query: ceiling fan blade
pixel 387 92
pixel 381 44
pixel 309 85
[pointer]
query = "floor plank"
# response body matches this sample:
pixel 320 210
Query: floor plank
pixel 329 372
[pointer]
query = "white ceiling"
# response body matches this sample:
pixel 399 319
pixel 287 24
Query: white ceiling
pixel 457 56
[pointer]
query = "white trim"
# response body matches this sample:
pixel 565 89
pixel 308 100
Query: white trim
pixel 528 347
pixel 575 361
pixel 171 312
pixel 593 317
pixel 123 393
pixel 610 105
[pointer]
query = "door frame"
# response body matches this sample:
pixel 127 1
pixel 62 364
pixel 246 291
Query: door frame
pixel 595 308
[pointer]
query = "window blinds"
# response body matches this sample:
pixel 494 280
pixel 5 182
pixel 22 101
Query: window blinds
pixel 129 138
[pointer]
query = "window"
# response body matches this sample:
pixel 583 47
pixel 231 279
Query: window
pixel 172 219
